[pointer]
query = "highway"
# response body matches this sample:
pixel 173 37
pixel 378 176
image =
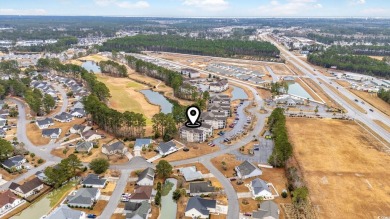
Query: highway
pixel 367 119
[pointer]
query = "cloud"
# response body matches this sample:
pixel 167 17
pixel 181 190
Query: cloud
pixel 207 5
pixel 288 7
pixel 358 2
pixel 124 4
pixel 9 11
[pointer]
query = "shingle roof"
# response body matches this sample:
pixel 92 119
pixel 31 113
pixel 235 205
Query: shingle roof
pixel 46 121
pixel 83 196
pixel 139 142
pixel 141 212
pixel 93 179
pixel 146 173
pixel 48 132
pixel 84 146
pixel 165 146
pixel 200 205
pixel 27 186
pixel 115 146
pixel 7 197
pixel 12 161
pixel 259 185
pixel 142 193
pixel 190 173
pixel 63 116
pixel 201 187
pixel 246 168
pixel 64 212
pixel 267 209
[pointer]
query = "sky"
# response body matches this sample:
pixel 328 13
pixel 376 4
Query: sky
pixel 199 8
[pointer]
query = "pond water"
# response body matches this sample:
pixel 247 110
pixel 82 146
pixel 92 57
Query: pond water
pixel 91 66
pixel 238 93
pixel 45 203
pixel 168 205
pixel 158 99
pixel 298 90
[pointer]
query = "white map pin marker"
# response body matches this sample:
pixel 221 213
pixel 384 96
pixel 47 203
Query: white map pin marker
pixel 193 114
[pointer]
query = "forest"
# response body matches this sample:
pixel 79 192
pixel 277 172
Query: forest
pixel 384 95
pixel 113 68
pixel 178 44
pixel 344 60
pixel 62 44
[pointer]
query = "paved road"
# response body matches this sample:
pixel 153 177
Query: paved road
pixel 367 119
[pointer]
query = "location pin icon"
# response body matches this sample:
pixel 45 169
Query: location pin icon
pixel 193 114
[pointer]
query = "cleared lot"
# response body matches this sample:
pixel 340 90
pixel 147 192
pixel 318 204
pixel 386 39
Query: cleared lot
pixel 346 175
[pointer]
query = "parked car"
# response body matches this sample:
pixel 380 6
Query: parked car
pixel 212 145
pixel 91 216
pixel 186 149
pixel 371 110
pixel 233 179
pixel 356 100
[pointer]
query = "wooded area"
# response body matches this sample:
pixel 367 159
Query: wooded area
pixel 113 68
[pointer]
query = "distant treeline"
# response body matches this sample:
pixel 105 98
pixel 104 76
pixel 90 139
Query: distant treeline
pixel 384 95
pixel 61 45
pixel 187 45
pixel 283 149
pixel 113 68
pixel 344 60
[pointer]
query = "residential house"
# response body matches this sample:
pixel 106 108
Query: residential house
pixel 94 181
pixel 63 117
pixel 3 133
pixel 8 202
pixel 247 170
pixel 259 188
pixel 15 162
pixel 64 212
pixel 77 105
pixel 28 188
pixel 146 177
pixel 166 148
pixel 84 197
pixel 219 86
pixel 201 188
pixel 78 129
pixel 268 210
pixel 200 208
pixel 141 143
pixel 90 135
pixel 84 146
pixel 51 133
pixel 141 193
pixel 78 113
pixel 41 175
pixel 190 173
pixel 191 73
pixel 44 123
pixel 137 210
pixel 3 121
pixel 114 148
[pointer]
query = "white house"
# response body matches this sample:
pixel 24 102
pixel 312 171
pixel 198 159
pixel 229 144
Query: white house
pixel 64 212
pixel 44 123
pixel 28 188
pixel 247 170
pixel 90 135
pixel 200 208
pixel 14 162
pixel 63 117
pixel 259 188
pixel 8 202
pixel 146 177
pixel 191 73
pixel 166 148
pixel 84 197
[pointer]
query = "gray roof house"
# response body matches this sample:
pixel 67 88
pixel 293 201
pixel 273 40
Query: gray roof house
pixel 141 143
pixel 16 161
pixel 84 146
pixel 44 123
pixel 200 208
pixel 259 188
pixel 199 188
pixel 84 197
pixel 137 210
pixel 93 180
pixel 63 117
pixel 246 170
pixel 51 133
pixel 190 173
pixel 64 212
pixel 78 129
pixel 146 177
pixel 268 210
pixel 114 148
pixel 78 113
pixel 166 148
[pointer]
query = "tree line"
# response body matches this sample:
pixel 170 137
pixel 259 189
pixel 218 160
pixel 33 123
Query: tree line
pixel 346 61
pixel 113 68
pixel 39 103
pixel 282 150
pixel 384 95
pixel 62 44
pixel 178 44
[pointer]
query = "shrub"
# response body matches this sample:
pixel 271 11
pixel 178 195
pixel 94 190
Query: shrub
pixel 40 161
pixel 284 194
pixel 32 155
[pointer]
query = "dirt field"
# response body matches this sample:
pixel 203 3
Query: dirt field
pixel 343 83
pixel 280 70
pixel 374 100
pixel 230 161
pixel 346 175
pixel 383 125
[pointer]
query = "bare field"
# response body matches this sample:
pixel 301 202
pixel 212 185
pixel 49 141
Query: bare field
pixel 343 83
pixel 383 125
pixel 230 161
pixel 280 69
pixel 346 175
pixel 374 100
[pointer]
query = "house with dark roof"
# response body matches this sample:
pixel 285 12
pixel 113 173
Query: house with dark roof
pixel 28 188
pixel 166 148
pixel 268 210
pixel 41 175
pixel 84 197
pixel 14 162
pixel 63 117
pixel 200 208
pixel 137 210
pixel 146 177
pixel 141 193
pixel 94 181
pixel 8 202
pixel 259 188
pixel 44 123
pixel 201 188
pixel 51 133
pixel 114 148
pixel 84 146
pixel 78 113
pixel 247 170
pixel 64 212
